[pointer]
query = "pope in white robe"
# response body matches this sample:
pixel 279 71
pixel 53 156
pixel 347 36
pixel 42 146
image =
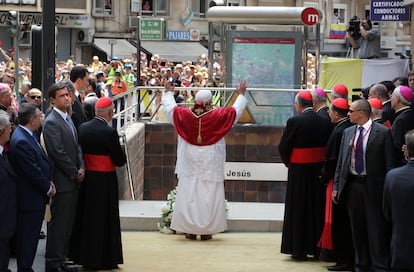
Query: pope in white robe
pixel 199 208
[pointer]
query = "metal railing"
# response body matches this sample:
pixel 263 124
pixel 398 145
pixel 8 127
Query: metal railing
pixel 129 106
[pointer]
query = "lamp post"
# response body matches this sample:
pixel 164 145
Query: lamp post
pixel 112 43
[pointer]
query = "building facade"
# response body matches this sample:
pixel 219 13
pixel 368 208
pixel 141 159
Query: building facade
pixel 87 28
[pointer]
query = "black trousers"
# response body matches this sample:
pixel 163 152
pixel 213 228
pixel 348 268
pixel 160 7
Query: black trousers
pixel 29 224
pixel 59 229
pixel 4 254
pixel 370 231
pixel 342 235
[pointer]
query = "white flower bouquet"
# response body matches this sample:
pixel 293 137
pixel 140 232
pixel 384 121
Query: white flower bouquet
pixel 166 213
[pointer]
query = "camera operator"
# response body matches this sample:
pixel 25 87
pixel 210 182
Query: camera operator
pixel 368 42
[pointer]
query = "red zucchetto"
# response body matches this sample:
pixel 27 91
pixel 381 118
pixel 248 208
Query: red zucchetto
pixel 375 103
pixel 340 103
pixel 340 89
pixel 305 95
pixel 103 102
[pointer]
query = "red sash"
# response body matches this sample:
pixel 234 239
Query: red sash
pixel 326 239
pixel 308 155
pixel 98 163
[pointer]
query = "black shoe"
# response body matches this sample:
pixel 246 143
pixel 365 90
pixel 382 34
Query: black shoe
pixel 340 267
pixel 191 236
pixel 66 268
pixel 299 257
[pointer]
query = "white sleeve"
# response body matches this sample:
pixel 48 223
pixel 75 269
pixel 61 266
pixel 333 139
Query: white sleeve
pixel 169 104
pixel 240 104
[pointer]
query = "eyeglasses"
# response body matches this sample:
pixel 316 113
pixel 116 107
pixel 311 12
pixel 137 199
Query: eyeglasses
pixel 35 97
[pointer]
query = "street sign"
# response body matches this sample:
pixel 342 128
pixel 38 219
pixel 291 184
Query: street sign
pixel 151 29
pixel 390 10
pixel 111 42
pixel 310 16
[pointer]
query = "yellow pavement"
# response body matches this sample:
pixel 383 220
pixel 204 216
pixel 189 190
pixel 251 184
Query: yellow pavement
pixel 232 251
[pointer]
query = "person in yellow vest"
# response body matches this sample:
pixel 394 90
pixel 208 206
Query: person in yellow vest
pixel 114 66
pixel 129 77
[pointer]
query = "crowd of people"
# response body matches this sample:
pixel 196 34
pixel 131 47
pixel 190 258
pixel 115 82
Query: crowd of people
pixel 342 200
pixel 63 163
pixel 118 75
pixel 63 160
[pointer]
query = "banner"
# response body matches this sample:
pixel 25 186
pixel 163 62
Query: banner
pixel 359 73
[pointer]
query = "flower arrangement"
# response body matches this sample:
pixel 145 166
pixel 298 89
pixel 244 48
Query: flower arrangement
pixel 167 211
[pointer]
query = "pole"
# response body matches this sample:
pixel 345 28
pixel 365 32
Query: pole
pixel 48 47
pixel 16 58
pixel 138 110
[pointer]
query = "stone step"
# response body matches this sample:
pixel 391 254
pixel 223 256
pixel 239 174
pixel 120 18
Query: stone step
pixel 242 216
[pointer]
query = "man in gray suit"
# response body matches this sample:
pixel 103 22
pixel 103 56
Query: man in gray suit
pixel 61 141
pixel 398 209
pixel 365 156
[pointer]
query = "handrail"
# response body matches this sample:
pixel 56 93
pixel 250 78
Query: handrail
pixel 129 106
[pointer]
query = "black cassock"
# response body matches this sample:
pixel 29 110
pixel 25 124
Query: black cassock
pixel 96 239
pixel 341 228
pixel 302 150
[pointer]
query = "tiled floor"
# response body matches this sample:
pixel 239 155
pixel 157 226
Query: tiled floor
pixel 229 252
pixel 239 249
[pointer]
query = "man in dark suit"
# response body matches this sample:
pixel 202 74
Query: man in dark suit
pixel 365 156
pixel 302 149
pixel 319 98
pixel 381 92
pixel 404 119
pixel 8 202
pixel 34 183
pixel 398 209
pixel 61 141
pixel 79 76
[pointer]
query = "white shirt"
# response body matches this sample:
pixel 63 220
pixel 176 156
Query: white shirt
pixel 367 130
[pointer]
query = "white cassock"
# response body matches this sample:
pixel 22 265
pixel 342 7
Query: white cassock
pixel 200 202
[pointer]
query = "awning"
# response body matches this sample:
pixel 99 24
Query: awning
pixel 121 49
pixel 175 51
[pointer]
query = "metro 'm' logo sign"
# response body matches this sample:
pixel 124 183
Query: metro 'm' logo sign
pixel 310 16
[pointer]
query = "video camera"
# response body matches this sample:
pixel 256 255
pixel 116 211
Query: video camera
pixel 353 28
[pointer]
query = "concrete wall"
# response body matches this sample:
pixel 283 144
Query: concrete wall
pixel 245 143
pixel 135 146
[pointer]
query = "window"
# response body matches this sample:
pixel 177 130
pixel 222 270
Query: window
pixel 18 2
pixel 199 8
pixel 342 13
pixel 72 4
pixel 154 8
pixel 367 12
pixel 103 8
pixel 146 8
pixel 235 3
